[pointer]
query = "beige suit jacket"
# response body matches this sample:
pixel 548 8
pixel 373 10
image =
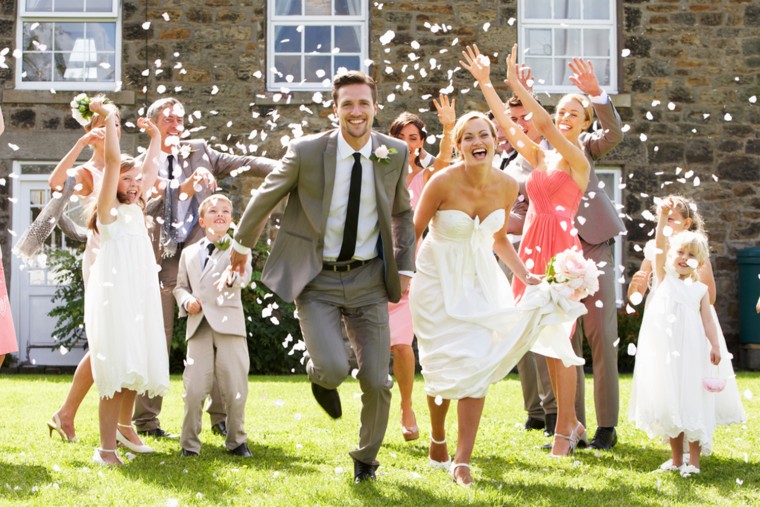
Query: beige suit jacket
pixel 306 174
pixel 222 310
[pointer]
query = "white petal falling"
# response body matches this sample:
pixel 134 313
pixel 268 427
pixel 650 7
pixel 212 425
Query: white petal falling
pixel 631 349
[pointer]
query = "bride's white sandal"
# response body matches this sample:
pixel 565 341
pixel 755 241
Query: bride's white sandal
pixel 440 465
pixel 452 473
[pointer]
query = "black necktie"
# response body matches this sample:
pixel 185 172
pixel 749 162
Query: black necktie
pixel 210 247
pixel 171 167
pixel 509 158
pixel 352 211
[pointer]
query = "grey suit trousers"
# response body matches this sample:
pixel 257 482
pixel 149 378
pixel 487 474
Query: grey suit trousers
pixel 599 326
pixel 359 299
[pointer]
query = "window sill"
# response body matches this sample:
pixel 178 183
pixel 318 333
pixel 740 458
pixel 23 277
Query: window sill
pixel 126 98
pixel 552 98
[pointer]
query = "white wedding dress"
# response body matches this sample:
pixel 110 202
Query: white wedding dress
pixel 469 332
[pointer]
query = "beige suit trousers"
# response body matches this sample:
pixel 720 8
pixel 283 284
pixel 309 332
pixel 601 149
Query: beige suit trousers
pixel 210 356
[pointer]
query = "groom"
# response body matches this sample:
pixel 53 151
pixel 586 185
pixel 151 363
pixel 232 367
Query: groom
pixel 344 249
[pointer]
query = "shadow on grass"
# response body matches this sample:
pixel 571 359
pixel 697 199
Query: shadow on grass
pixel 15 475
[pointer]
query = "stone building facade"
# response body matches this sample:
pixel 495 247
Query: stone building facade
pixel 687 73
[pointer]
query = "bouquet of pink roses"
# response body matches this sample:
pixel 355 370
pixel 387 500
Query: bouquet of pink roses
pixel 573 276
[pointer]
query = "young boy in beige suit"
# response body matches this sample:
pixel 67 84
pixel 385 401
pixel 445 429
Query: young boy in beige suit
pixel 208 293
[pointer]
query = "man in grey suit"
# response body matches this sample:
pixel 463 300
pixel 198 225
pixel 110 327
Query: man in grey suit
pixel 190 169
pixel 344 249
pixel 598 224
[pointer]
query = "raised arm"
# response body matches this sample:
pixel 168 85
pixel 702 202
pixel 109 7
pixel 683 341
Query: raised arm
pixel 151 160
pixel 480 67
pixel 574 156
pixel 107 197
pixel 447 115
pixel 600 142
pixel 61 172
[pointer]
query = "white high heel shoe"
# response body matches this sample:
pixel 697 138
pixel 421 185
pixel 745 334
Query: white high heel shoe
pixel 96 458
pixel 440 465
pixel 121 439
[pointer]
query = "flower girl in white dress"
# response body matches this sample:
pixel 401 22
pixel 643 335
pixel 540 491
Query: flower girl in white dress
pixel 678 348
pixel 123 315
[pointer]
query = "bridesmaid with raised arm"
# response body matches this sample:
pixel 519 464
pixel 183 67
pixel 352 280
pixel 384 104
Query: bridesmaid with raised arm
pixel 555 188
pixel 410 128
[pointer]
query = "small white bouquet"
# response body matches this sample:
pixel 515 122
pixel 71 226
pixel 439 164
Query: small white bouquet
pixel 573 276
pixel 80 109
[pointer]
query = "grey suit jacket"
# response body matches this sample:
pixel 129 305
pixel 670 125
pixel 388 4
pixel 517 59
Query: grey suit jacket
pixel 602 220
pixel 223 310
pixel 307 174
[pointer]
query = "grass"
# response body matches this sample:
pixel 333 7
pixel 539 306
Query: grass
pixel 300 457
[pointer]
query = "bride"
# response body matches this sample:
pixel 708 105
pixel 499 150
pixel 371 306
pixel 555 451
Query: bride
pixel 470 333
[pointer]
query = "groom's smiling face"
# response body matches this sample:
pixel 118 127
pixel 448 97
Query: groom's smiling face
pixel 355 110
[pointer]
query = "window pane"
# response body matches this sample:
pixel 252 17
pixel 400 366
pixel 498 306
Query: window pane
pixel 317 68
pixel 602 70
pixel 349 62
pixel 69 5
pixel 567 9
pixel 567 42
pixel 318 7
pixel 289 65
pixel 348 7
pixel 99 5
pixel 562 72
pixel 539 41
pixel 287 7
pixel 538 9
pixel 541 69
pixel 317 39
pixel 39 5
pixel 347 39
pixel 596 9
pixel 66 34
pixel 287 39
pixel 39 39
pixel 37 67
pixel 596 43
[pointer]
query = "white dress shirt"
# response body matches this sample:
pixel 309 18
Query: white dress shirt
pixel 369 228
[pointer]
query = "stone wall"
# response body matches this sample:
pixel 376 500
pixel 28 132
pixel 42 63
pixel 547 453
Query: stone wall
pixel 702 57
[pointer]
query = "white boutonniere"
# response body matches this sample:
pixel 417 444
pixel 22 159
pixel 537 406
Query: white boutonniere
pixel 382 154
pixel 185 151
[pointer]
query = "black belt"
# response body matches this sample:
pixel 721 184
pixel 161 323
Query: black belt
pixel 341 267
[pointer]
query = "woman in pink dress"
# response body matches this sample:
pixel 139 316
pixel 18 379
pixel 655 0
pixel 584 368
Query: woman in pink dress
pixel 410 128
pixel 8 342
pixel 555 188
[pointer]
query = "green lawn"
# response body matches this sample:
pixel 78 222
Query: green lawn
pixel 300 457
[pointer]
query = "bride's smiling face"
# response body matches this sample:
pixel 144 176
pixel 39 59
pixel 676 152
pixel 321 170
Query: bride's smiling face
pixel 477 142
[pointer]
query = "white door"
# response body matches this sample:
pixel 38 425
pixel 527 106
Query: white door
pixel 32 286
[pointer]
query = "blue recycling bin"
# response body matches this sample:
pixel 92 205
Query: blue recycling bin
pixel 749 290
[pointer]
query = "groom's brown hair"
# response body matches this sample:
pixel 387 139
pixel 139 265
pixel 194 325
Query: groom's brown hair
pixel 353 77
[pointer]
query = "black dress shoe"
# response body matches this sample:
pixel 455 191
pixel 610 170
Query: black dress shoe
pixel 157 433
pixel 363 471
pixel 604 438
pixel 551 422
pixel 241 450
pixel 328 399
pixel 531 423
pixel 220 429
pixel 188 454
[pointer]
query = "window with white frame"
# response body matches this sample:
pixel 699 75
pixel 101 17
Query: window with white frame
pixel 69 44
pixel 552 32
pixel 309 40
pixel 610 181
